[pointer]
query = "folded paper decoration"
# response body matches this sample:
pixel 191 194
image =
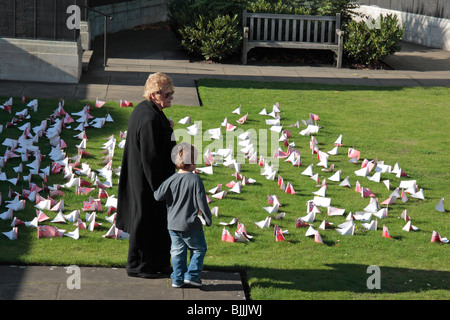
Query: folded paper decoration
pixel 45 231
pixel 241 235
pixel 264 223
pixel 318 238
pixel 273 209
pixel 363 172
pixel 345 183
pixel 362 216
pixel 310 232
pixel 324 225
pixel 73 216
pixel 408 227
pixel 332 211
pixel 385 233
pixel 372 206
pixel 59 218
pixel 436 237
pixel 299 223
pixel 308 171
pixel 125 103
pixel 237 110
pixel 381 214
pixel 310 217
pixel 352 153
pixel 185 120
pixel 220 195
pixel 349 230
pixel 226 236
pixel 389 201
pixel 336 176
pixel 338 142
pixel 280 216
pixel 236 188
pixel 279 234
pixel 73 234
pixel 321 192
pixel 13 234
pixel 232 222
pixel 370 226
pixel 418 195
pixel 322 201
pixel 290 189
pixel 7 215
pixel 440 206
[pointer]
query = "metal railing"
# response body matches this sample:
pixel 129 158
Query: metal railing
pixel 106 16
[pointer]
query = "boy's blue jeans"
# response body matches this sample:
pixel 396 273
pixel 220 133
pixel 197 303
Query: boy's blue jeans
pixel 182 241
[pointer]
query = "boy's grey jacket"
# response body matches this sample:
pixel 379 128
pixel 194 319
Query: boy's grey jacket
pixel 185 195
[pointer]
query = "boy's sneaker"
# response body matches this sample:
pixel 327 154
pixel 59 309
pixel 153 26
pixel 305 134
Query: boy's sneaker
pixel 176 285
pixel 195 283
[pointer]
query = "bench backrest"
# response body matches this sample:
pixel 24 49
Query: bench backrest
pixel 287 27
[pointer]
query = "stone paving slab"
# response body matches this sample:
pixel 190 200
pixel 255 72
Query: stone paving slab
pixel 60 283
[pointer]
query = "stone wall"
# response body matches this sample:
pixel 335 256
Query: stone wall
pixel 421 29
pixel 40 60
pixel 127 15
pixel 432 8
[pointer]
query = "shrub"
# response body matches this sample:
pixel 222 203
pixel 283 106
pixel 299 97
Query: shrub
pixel 372 41
pixel 212 38
pixel 331 7
pixel 280 7
pixel 184 13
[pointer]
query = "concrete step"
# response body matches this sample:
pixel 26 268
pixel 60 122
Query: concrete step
pixel 86 59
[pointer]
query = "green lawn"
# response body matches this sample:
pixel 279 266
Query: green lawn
pixel 408 126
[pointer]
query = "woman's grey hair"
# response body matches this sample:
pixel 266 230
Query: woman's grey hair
pixel 157 82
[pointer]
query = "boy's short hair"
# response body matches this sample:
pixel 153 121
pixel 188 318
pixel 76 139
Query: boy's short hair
pixel 183 155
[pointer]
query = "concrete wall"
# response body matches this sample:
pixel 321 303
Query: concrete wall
pixel 424 30
pixel 40 60
pixel 432 8
pixel 127 15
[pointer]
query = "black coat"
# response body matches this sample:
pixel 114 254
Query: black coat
pixel 146 164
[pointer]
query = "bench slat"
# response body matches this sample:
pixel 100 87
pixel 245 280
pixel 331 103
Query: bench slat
pixel 330 30
pixel 286 31
pixel 291 44
pixel 316 31
pixel 289 16
pixel 280 29
pixel 272 35
pixel 308 31
pixel 294 30
pixel 302 23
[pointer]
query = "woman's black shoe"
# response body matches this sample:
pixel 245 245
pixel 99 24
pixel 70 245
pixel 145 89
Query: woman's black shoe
pixel 144 275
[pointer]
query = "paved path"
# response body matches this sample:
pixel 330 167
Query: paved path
pixel 60 283
pixel 132 56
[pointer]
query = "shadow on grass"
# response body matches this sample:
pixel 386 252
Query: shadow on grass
pixel 349 278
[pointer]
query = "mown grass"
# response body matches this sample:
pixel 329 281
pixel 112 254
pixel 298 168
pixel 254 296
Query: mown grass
pixel 408 126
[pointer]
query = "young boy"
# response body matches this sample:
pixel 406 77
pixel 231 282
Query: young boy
pixel 185 197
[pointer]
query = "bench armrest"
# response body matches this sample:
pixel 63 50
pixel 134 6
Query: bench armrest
pixel 246 30
pixel 340 33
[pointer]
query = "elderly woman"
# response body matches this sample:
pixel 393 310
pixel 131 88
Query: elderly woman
pixel 146 164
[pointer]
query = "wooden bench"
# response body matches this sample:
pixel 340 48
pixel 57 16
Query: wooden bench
pixel 293 32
